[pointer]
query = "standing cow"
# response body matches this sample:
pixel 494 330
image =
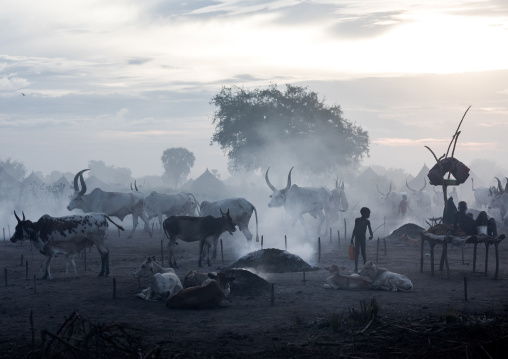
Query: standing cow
pixel 240 211
pixel 298 201
pixel 170 204
pixel 423 199
pixel 206 230
pixel 77 230
pixel 117 204
pixel 391 200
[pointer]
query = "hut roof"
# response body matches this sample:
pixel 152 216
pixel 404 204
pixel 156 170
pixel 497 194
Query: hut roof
pixel 207 183
pixel 32 179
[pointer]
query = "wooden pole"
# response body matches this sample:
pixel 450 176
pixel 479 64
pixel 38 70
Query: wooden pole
pixel 330 234
pixel 338 236
pixel 221 252
pixel 465 289
pixel 285 242
pixel 345 228
pixel 162 253
pixel 377 251
pixel 4 233
pixel 319 249
pixel 261 242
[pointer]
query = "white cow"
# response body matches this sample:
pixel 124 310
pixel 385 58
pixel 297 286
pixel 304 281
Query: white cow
pixel 484 195
pixel 423 199
pixel 298 201
pixel 164 282
pixel 338 280
pixel 384 279
pixel 391 200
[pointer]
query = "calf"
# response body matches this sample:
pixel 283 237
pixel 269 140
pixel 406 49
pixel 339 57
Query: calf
pixel 164 282
pixel 190 229
pixel 384 279
pixel 71 230
pixel 337 280
pixel 69 249
pixel 211 294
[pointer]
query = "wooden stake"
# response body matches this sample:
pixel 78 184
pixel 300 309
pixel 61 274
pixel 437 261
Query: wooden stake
pixel 330 234
pixel 465 289
pixel 162 254
pixel 261 242
pixel 4 233
pixel 338 236
pixel 221 252
pixel 345 228
pixel 285 242
pixel 21 263
pixel 319 249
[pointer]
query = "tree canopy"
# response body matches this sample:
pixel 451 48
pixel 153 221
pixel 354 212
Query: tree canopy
pixel 177 162
pixel 15 168
pixel 267 127
pixel 110 174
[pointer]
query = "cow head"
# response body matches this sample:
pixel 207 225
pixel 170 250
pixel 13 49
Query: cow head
pixel 230 227
pixel 146 269
pixel 278 197
pixel 339 197
pixel 77 200
pixel 369 270
pixel 223 280
pixel 417 193
pixel 24 229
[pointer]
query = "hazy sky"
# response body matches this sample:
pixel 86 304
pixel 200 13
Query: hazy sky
pixel 121 81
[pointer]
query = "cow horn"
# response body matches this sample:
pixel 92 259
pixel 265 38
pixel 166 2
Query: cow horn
pixel 382 194
pixel 407 185
pixel 499 185
pixel 506 186
pixel 83 184
pixel 337 182
pixel 389 190
pixel 268 181
pixel 136 186
pixel 424 184
pixel 15 215
pixel 342 186
pixel 76 188
pixel 132 188
pixel 289 182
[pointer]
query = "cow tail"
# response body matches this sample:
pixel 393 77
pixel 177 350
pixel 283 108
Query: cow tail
pixel 118 226
pixel 256 214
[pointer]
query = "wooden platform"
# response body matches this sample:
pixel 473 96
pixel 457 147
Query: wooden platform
pixel 444 240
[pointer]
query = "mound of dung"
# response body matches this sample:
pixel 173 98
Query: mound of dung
pixel 411 229
pixel 247 284
pixel 272 260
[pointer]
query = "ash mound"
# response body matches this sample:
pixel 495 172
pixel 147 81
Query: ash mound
pixel 246 284
pixel 272 260
pixel 410 229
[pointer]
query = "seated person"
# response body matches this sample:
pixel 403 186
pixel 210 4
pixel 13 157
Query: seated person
pixel 468 224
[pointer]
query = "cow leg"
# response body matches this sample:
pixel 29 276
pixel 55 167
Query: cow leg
pixel 74 265
pixel 214 252
pixel 201 246
pixel 147 224
pixel 47 264
pixel 104 253
pixel 246 233
pixel 134 225
pixel 171 254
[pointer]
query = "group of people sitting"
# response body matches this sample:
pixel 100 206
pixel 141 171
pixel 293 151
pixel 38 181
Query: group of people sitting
pixel 465 222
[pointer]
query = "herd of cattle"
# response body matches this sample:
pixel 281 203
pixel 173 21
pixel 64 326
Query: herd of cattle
pixel 189 221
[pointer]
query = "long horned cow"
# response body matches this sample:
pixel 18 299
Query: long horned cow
pixel 298 201
pixel 423 199
pixel 117 204
pixel 392 198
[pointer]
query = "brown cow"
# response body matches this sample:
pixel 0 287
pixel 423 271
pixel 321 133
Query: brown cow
pixel 213 294
pixel 337 280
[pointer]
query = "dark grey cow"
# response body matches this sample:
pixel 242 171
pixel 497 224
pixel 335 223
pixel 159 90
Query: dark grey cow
pixel 191 229
pixel 57 233
pixel 117 204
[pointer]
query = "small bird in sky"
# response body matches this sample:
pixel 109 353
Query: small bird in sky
pixel 23 94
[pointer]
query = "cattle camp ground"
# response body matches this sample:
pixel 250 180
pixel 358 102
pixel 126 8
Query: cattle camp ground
pixel 300 318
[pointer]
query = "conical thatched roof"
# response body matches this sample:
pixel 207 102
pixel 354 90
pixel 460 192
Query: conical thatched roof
pixel 207 185
pixel 420 179
pixel 31 180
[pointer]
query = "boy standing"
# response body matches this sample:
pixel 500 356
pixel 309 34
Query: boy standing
pixel 359 234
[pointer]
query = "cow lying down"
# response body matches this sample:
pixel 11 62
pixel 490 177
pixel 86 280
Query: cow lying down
pixel 163 281
pixel 384 279
pixel 209 295
pixel 339 280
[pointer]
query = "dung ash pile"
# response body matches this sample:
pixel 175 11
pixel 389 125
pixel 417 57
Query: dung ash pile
pixel 410 229
pixel 247 284
pixel 272 260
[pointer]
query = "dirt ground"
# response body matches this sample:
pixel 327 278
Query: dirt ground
pixel 298 324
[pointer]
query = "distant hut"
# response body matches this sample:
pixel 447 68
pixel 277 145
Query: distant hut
pixel 93 182
pixel 420 179
pixel 208 187
pixel 32 181
pixel 9 186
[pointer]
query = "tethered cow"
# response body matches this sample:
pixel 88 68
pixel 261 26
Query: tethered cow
pixel 117 204
pixel 53 236
pixel 298 201
pixel 206 230
pixel 240 211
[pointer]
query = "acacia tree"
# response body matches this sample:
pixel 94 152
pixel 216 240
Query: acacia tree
pixel 177 162
pixel 260 127
pixel 15 168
